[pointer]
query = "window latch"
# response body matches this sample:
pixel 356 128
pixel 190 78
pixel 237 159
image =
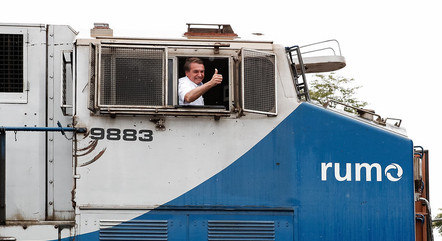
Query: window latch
pixel 216 47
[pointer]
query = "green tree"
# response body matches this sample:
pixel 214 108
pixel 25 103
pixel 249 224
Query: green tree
pixel 332 87
pixel 438 224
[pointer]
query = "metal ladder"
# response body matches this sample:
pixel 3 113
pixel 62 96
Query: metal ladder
pixel 300 85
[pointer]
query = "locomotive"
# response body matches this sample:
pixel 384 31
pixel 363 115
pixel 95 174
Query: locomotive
pixel 95 145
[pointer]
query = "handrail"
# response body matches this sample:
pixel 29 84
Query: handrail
pixel 325 41
pixel 45 129
pixel 301 88
pixel 317 50
pixel 360 112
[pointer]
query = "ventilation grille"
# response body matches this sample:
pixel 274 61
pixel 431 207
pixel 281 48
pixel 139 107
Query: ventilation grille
pixel 259 82
pixel 133 230
pixel 132 76
pixel 92 74
pixel 241 230
pixel 11 63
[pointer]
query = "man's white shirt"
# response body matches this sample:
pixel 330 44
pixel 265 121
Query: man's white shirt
pixel 184 86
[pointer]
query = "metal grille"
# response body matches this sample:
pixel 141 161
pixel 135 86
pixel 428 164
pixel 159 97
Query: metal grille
pixel 67 84
pixel 92 74
pixel 241 230
pixel 134 230
pixel 11 63
pixel 132 76
pixel 259 82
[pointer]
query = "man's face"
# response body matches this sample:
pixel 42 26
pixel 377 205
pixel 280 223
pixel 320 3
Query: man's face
pixel 196 73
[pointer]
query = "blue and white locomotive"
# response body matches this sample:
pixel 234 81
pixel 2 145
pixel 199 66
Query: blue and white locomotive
pixel 257 162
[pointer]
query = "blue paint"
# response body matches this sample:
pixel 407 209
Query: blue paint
pixel 44 129
pixel 283 171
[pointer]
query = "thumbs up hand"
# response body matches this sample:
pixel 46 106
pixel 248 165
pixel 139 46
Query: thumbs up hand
pixel 217 78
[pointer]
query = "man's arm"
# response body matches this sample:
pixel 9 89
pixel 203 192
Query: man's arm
pixel 194 94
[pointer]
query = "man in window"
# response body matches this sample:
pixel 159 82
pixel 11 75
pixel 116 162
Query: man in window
pixel 191 87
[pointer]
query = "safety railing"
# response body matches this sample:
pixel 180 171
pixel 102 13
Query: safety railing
pixel 300 84
pixel 306 50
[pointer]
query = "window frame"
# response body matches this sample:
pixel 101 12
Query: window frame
pixel 67 107
pixel 18 97
pixel 170 107
pixel 243 84
pixel 208 54
pixel 128 107
pixel 167 109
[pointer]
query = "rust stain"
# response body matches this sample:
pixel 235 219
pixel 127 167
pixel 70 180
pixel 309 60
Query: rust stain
pixel 89 148
pixel 92 143
pixel 93 159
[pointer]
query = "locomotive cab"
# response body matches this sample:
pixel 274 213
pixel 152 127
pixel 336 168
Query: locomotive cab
pixel 99 148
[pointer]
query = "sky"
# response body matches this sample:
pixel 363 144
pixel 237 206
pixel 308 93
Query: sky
pixel 393 48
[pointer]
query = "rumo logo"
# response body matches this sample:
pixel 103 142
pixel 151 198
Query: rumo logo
pixel 393 172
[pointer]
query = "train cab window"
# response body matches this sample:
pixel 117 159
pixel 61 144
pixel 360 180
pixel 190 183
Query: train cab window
pixel 11 63
pixel 13 88
pixel 126 78
pixel 137 79
pixel 218 96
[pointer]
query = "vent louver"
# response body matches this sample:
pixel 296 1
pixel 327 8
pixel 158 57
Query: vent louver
pixel 241 230
pixel 134 230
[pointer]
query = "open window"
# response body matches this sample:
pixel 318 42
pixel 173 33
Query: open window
pixel 13 79
pixel 218 96
pixel 143 79
pixel 259 82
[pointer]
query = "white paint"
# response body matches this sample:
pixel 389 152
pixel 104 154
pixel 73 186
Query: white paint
pixel 399 172
pixel 368 167
pixel 357 167
pixel 347 176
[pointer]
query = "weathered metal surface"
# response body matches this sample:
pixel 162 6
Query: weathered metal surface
pixel 94 159
pixel 2 176
pixel 214 31
pixel 88 149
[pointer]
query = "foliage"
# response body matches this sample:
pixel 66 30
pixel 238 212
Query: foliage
pixel 438 224
pixel 331 87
